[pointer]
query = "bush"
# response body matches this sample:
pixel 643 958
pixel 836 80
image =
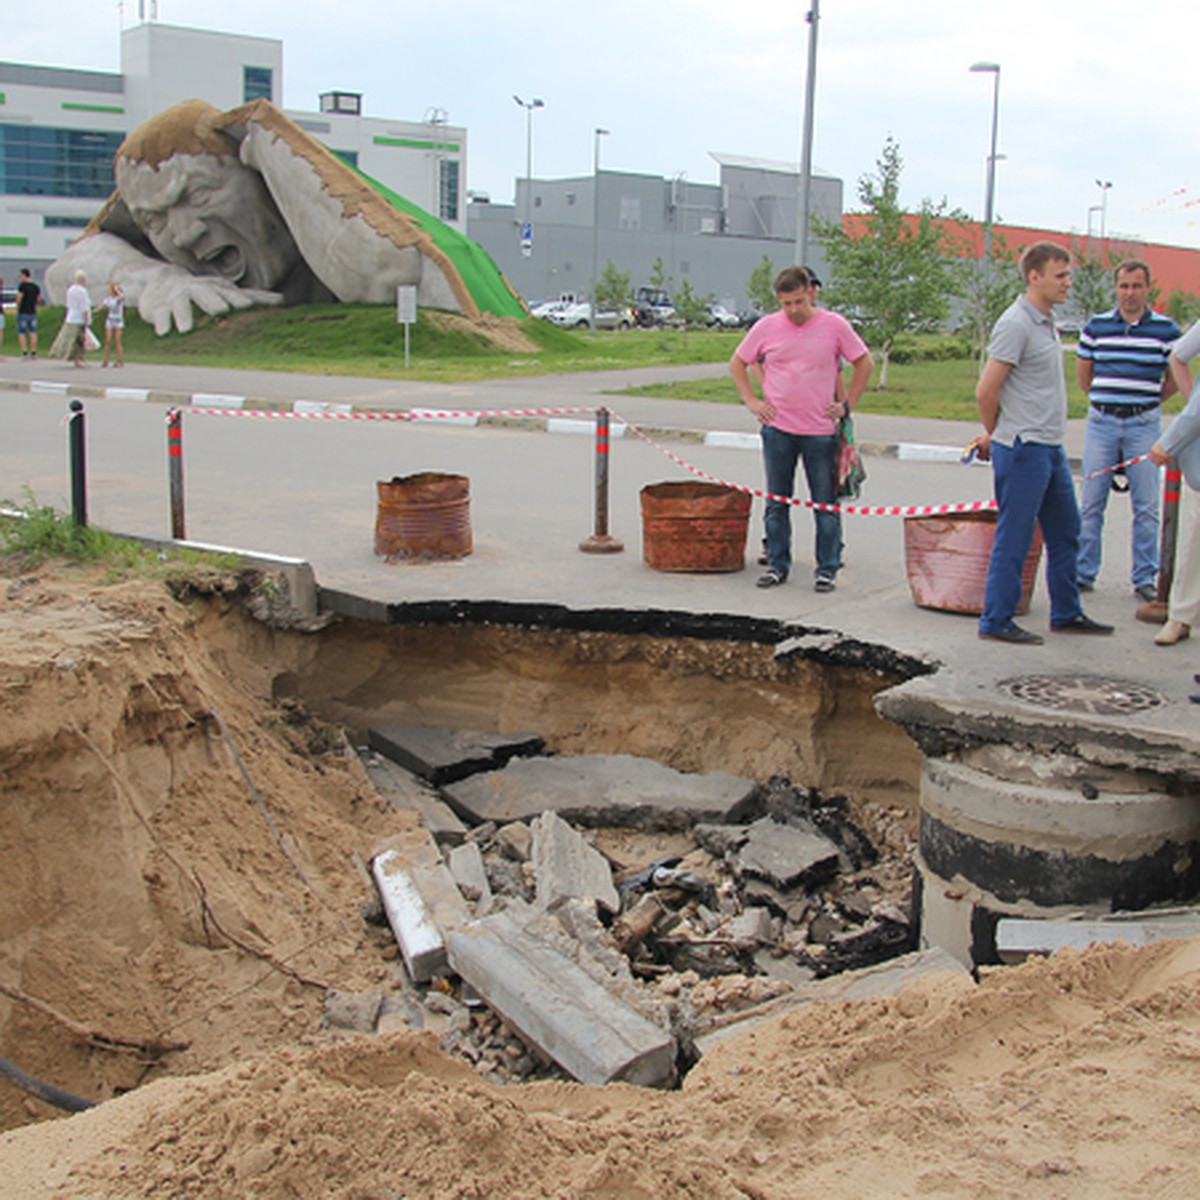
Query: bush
pixel 929 347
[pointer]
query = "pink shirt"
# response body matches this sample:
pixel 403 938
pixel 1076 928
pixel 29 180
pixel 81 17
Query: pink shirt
pixel 800 366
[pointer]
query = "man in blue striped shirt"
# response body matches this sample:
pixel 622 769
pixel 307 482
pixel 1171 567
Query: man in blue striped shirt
pixel 1122 369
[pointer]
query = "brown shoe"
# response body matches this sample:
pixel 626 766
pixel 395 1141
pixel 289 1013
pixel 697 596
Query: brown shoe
pixel 1172 632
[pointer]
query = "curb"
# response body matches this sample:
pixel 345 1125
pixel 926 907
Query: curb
pixel 720 439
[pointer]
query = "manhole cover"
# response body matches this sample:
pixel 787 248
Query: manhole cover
pixel 1084 693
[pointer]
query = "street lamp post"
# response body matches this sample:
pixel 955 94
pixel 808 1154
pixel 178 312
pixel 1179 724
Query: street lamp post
pixel 804 191
pixel 528 106
pixel 1087 250
pixel 993 69
pixel 1103 185
pixel 595 225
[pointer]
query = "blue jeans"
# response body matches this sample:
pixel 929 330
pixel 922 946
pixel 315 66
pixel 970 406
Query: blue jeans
pixel 781 452
pixel 1108 441
pixel 1033 483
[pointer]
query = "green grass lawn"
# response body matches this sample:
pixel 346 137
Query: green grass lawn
pixel 365 340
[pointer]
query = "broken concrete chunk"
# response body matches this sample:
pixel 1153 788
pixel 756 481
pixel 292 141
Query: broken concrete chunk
pixel 565 866
pixel 1019 937
pixel 401 789
pixel 354 1011
pixel 466 865
pixel 514 841
pixel 596 789
pixel 444 755
pixel 719 840
pixel 421 901
pixel 749 929
pixel 785 855
pixel 557 1007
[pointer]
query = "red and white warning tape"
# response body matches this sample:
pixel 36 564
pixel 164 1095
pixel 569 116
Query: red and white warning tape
pixel 419 414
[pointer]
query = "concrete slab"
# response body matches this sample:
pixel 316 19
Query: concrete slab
pixel 786 856
pixel 870 983
pixel 442 755
pixel 558 1008
pixel 401 789
pixel 596 789
pixel 1018 938
pixel 421 901
pixel 566 867
pixel 466 866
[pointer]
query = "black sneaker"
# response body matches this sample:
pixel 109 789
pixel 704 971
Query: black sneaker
pixel 1081 624
pixel 1084 586
pixel 1014 635
pixel 1147 592
pixel 824 583
pixel 771 578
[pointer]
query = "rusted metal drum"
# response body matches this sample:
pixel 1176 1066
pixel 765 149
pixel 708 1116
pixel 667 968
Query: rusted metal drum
pixel 946 557
pixel 425 516
pixel 690 526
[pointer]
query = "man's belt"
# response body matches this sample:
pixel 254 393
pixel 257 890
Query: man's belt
pixel 1124 410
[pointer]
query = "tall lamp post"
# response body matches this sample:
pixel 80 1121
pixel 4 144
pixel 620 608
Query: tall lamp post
pixel 1103 185
pixel 528 106
pixel 804 192
pixel 595 225
pixel 993 69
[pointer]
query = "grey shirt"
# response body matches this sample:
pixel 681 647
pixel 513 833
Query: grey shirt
pixel 1182 439
pixel 1033 397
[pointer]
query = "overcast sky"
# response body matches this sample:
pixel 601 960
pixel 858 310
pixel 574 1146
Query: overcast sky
pixel 1104 90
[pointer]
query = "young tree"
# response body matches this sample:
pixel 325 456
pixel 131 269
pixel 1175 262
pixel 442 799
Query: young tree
pixel 612 288
pixel 690 306
pixel 986 289
pixel 658 275
pixel 760 287
pixel 897 275
pixel 1092 285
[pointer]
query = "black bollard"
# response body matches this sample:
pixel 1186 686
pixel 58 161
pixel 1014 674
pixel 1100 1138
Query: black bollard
pixel 78 459
pixel 601 541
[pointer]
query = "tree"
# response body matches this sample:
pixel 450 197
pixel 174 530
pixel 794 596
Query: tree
pixel 985 288
pixel 658 275
pixel 896 274
pixel 760 287
pixel 1183 307
pixel 612 288
pixel 690 306
pixel 1092 288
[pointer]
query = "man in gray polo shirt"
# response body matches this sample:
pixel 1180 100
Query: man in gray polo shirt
pixel 1022 401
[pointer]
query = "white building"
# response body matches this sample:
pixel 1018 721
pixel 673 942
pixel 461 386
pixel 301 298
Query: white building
pixel 60 127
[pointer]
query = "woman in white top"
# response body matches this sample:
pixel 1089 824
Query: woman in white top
pixel 72 338
pixel 114 322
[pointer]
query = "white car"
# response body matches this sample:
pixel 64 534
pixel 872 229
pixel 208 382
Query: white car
pixel 579 316
pixel 721 318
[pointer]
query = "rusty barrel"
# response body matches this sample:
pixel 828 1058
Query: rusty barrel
pixel 692 526
pixel 424 516
pixel 947 555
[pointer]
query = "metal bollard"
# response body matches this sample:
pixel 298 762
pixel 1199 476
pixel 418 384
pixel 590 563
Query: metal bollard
pixel 175 471
pixel 78 460
pixel 600 542
pixel 1155 611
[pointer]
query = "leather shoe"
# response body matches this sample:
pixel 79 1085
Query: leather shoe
pixel 1172 632
pixel 1147 592
pixel 1014 635
pixel 1081 624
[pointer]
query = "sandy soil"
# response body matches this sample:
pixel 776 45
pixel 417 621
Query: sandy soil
pixel 147 899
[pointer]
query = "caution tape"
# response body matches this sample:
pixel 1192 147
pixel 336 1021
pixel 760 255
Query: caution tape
pixel 854 510
pixel 419 414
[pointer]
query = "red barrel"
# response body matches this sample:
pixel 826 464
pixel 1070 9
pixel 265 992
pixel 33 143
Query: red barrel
pixel 425 516
pixel 946 557
pixel 690 526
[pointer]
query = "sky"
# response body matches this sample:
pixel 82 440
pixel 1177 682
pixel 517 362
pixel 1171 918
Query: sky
pixel 1089 93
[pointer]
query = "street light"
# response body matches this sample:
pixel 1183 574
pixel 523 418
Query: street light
pixel 1095 208
pixel 528 106
pixel 993 69
pixel 1103 185
pixel 595 225
pixel 804 191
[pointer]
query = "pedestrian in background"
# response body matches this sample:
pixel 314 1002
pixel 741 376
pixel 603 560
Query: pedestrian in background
pixel 1022 401
pixel 1121 364
pixel 114 322
pixel 71 341
pixel 29 296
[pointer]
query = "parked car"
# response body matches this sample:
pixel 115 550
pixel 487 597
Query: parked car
pixel 579 316
pixel 1069 327
pixel 719 317
pixel 747 316
pixel 652 306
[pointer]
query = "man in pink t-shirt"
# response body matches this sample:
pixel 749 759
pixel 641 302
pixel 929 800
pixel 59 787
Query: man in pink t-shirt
pixel 799 352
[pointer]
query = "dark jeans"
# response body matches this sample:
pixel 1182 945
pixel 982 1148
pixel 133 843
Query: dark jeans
pixel 781 452
pixel 1033 483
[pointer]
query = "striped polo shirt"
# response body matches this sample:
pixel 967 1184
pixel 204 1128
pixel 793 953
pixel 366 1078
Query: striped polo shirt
pixel 1128 361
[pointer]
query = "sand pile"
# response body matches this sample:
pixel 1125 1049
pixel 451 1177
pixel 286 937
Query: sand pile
pixel 146 896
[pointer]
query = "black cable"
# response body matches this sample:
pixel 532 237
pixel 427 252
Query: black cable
pixel 44 1091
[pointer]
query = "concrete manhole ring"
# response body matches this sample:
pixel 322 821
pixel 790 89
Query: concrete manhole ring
pixel 1084 693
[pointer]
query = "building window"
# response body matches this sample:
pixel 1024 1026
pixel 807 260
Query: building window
pixel 448 189
pixel 256 83
pixel 49 222
pixel 349 157
pixel 38 161
pixel 630 214
pixel 342 102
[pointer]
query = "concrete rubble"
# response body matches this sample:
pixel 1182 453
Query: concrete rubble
pixel 441 756
pixel 565 948
pixel 1018 938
